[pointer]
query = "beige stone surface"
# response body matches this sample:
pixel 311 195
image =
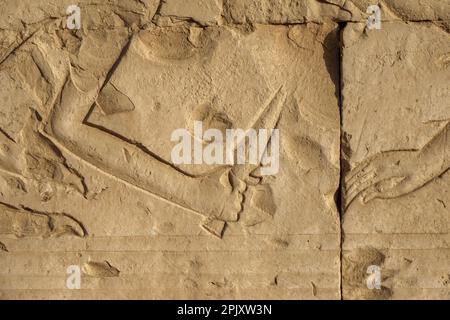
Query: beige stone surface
pixel 395 113
pixel 300 11
pixel 87 178
pixel 411 10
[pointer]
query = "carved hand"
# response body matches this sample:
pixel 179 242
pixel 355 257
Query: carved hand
pixel 388 175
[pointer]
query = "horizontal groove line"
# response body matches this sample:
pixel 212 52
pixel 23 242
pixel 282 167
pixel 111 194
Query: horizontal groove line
pixel 181 236
pixel 169 274
pixel 398 233
pixel 163 289
pixel 11 251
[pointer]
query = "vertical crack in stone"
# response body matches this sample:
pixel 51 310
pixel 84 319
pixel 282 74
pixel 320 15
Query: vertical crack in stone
pixel 340 192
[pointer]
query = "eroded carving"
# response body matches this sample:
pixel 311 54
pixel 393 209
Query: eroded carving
pixel 393 174
pixel 215 193
pixel 25 222
pixel 35 158
pixel 100 269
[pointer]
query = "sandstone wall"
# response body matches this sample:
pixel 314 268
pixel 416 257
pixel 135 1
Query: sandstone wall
pixel 86 175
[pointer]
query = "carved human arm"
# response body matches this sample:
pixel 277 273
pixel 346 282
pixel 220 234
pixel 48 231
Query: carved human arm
pixel 437 151
pixel 127 162
pixel 393 174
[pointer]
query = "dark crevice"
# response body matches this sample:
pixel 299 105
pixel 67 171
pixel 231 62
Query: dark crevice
pixel 339 196
pixel 16 48
pixel 7 136
pixel 158 10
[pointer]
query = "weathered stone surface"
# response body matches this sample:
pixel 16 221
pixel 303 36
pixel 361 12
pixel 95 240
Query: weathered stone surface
pixel 287 11
pixel 21 19
pixel 205 12
pixel 89 184
pixel 86 130
pixel 395 97
pixel 300 11
pixel 411 10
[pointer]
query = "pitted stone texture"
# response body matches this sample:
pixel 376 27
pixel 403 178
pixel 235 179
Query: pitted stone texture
pixel 396 155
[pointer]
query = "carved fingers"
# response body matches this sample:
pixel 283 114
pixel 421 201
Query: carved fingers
pixel 234 202
pixel 386 175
